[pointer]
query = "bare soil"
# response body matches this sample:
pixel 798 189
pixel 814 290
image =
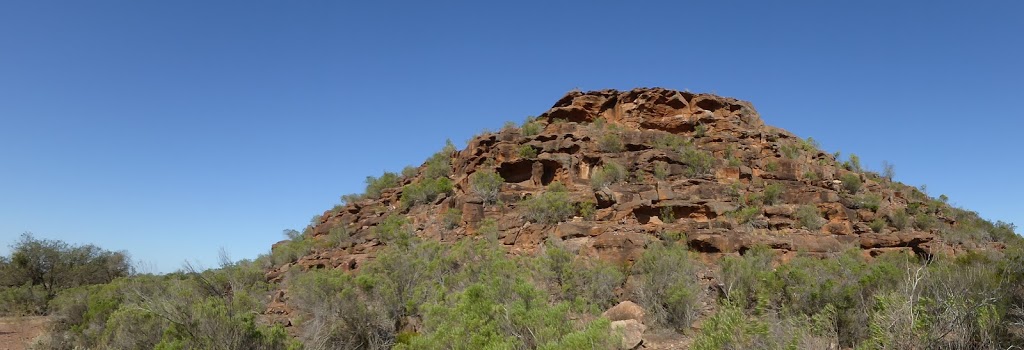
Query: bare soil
pixel 16 333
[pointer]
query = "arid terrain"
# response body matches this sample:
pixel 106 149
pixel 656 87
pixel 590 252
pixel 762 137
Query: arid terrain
pixel 17 332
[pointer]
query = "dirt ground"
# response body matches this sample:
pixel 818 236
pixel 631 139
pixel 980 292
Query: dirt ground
pixel 17 332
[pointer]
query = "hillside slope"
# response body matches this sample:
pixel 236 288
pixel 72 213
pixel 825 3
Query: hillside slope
pixel 611 174
pixel 697 164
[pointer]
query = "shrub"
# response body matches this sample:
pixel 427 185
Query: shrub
pixel 698 163
pixel 439 165
pixel 668 214
pixel 569 277
pixel 791 151
pixel 772 194
pixel 888 170
pixel 745 214
pixel 853 164
pixel 771 166
pixel 877 225
pixel 700 130
pixel 670 142
pixel 924 221
pixel 661 170
pixel 531 127
pixel 899 219
pixel 607 174
pixel 851 182
pixel 811 175
pixel 610 142
pixel 810 217
pixel 588 210
pixel 409 172
pixel 870 201
pixel 527 151
pixel 748 280
pixel 425 191
pixel 667 286
pixel 486 184
pixel 452 218
pixel 375 185
pixel 550 207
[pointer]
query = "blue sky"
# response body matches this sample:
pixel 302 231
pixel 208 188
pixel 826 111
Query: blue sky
pixel 172 129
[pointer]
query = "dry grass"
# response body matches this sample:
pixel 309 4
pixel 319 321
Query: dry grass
pixel 16 333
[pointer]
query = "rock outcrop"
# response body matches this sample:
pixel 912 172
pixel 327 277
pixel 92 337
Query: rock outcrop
pixel 701 166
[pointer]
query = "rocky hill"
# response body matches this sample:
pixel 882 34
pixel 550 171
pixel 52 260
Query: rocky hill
pixel 610 174
pixel 656 161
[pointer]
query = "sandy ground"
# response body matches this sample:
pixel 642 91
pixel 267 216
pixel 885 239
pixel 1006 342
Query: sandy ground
pixel 17 332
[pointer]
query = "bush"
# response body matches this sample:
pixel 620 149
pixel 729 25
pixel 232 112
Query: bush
pixel 698 163
pixel 748 280
pixel 607 174
pixel 670 142
pixel 550 207
pixel 610 142
pixel 877 225
pixel 851 182
pixel 667 286
pixel 375 185
pixel 452 218
pixel 772 194
pixel 899 219
pixel 588 283
pixel 531 127
pixel 745 214
pixel 527 151
pixel 871 201
pixel 425 191
pixel 790 151
pixel 661 170
pixel 924 221
pixel 771 166
pixel 810 217
pixel 486 184
pixel 588 210
pixel 853 164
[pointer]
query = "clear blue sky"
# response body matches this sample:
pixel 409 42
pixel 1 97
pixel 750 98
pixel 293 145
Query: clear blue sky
pixel 171 129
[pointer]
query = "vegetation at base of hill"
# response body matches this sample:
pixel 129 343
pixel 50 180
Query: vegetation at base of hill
pixel 894 301
pixel 38 269
pixel 213 309
pixel 469 295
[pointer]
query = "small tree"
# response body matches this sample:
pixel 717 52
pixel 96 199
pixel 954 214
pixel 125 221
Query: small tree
pixel 486 184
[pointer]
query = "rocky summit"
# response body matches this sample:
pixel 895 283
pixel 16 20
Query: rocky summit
pixel 643 164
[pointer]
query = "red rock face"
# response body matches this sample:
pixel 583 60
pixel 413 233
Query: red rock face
pixel 721 210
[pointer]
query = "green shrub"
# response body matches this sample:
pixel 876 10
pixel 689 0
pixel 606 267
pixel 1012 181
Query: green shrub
pixel 425 191
pixel 851 182
pixel 853 164
pixel 610 142
pixel 531 127
pixel 409 172
pixel 667 286
pixel 729 329
pixel 439 165
pixel 748 280
pixel 550 207
pixel 375 185
pixel 670 142
pixel 700 130
pixel 924 221
pixel 899 219
pixel 698 163
pixel 668 214
pixel 452 218
pixel 871 201
pixel 790 151
pixel 811 175
pixel 745 214
pixel 589 283
pixel 810 217
pixel 486 184
pixel 527 151
pixel 609 173
pixel 587 210
pixel 877 225
pixel 771 166
pixel 661 170
pixel 772 193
